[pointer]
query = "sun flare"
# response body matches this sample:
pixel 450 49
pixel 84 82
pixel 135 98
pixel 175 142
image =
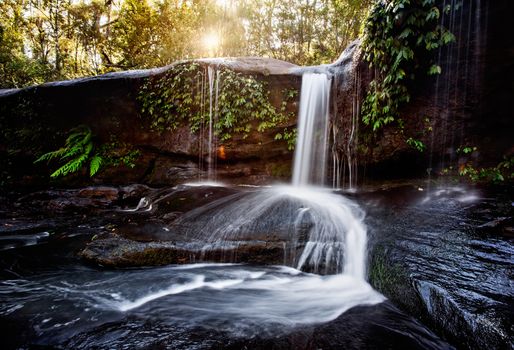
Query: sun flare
pixel 211 42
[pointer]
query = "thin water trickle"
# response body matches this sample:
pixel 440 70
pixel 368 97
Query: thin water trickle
pixel 213 112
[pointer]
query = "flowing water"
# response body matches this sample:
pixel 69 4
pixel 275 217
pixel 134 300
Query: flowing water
pixel 239 299
pixel 311 146
pixel 213 76
pixel 48 296
pixel 329 225
pixel 67 304
pixel 242 300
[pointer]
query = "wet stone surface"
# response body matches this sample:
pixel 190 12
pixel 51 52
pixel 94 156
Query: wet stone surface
pixel 442 264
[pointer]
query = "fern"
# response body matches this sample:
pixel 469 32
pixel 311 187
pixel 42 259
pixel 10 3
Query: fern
pixel 77 150
pixel 95 164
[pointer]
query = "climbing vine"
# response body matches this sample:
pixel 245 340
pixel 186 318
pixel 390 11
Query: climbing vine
pixel 400 37
pixel 80 151
pixel 241 103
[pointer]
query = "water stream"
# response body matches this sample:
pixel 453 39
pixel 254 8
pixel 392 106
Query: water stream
pixel 311 146
pixel 213 76
pixel 201 305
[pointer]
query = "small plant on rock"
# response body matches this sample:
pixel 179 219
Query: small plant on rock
pixel 80 151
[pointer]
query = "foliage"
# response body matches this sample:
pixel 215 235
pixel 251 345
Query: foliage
pixel 503 171
pixel 79 151
pixel 303 31
pixel 399 39
pixel 289 136
pixel 44 40
pixel 242 103
pixel 116 153
pixel 417 144
pixel 16 69
pixel 466 149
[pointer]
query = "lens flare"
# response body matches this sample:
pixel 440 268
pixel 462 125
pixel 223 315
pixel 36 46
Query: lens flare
pixel 211 42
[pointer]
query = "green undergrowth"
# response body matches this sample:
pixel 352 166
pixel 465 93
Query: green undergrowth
pixel 182 96
pixel 400 39
pixel 82 151
pixel 499 173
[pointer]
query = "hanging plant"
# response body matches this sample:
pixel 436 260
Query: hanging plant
pixel 181 96
pixel 400 37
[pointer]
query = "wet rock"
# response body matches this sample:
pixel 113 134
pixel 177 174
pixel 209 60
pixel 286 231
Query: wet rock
pixel 134 191
pixel 100 192
pixel 108 104
pixel 498 225
pixel 432 261
pixel 121 252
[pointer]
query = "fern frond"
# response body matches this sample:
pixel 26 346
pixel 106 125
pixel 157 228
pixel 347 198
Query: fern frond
pixel 95 164
pixel 51 155
pixel 70 167
pixel 76 151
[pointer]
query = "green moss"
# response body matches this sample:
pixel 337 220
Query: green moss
pixel 391 279
pixel 280 170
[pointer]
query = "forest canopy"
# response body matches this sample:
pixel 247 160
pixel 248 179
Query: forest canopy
pixel 46 40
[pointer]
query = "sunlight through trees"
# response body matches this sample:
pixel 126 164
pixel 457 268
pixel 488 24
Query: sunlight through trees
pixel 45 40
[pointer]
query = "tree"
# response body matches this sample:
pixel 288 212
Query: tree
pixel 44 40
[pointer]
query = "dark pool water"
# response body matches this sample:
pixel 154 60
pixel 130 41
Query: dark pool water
pixel 50 297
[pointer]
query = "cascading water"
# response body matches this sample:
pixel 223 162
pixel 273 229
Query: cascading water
pixel 319 231
pixel 457 90
pixel 344 128
pixel 213 76
pixel 326 229
pixel 311 146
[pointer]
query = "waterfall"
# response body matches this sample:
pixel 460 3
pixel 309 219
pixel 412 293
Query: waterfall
pixel 213 105
pixel 311 145
pixel 319 231
pixel 457 89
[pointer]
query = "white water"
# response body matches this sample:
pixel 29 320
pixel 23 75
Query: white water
pixel 329 227
pixel 239 299
pixel 213 76
pixel 311 145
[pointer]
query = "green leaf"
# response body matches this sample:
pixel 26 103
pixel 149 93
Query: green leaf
pixel 434 69
pixel 94 165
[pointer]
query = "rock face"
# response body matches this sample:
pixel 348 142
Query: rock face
pixel 35 120
pixel 466 105
pixel 432 258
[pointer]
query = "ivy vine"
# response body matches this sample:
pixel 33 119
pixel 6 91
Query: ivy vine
pixel 399 39
pixel 182 96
